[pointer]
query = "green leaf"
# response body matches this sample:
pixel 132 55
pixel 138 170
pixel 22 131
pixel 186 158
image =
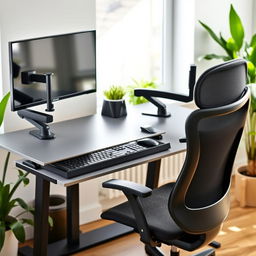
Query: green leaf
pixel 4 201
pixel 252 75
pixel 23 178
pixel 2 234
pixel 253 41
pixel 115 93
pixel 252 55
pixel 21 173
pixel 5 166
pixel 213 35
pixel 230 53
pixel 18 230
pixel 3 104
pixel 251 68
pixel 22 204
pixel 25 181
pixel 28 221
pixel 50 221
pixel 221 41
pixel 16 185
pixel 224 42
pixel 236 27
pixel 231 45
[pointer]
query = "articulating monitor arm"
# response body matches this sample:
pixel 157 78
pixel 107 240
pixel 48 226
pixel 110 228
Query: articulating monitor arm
pixel 39 120
pixel 28 77
pixel 151 95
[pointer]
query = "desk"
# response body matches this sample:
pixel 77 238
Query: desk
pixel 80 136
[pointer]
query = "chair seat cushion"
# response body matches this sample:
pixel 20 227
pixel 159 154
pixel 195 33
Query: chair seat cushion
pixel 155 207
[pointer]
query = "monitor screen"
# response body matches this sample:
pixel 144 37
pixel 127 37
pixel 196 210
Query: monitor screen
pixel 70 57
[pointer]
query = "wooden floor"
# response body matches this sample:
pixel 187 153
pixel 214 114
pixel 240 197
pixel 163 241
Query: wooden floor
pixel 238 237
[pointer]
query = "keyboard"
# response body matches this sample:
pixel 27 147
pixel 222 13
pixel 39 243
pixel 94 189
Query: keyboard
pixel 101 159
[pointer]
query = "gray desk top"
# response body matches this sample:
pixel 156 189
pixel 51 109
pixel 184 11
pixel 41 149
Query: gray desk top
pixel 79 136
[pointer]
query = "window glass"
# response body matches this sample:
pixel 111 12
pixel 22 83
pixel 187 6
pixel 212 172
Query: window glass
pixel 129 42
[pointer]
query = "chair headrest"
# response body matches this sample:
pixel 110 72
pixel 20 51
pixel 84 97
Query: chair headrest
pixel 221 84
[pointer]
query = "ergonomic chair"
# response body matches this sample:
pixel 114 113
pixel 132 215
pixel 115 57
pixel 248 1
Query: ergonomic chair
pixel 189 213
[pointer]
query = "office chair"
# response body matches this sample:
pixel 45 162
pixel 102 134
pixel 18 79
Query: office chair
pixel 189 213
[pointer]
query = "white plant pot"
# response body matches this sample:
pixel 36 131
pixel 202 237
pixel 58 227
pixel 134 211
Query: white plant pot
pixel 10 247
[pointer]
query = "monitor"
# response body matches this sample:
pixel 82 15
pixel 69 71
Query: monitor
pixel 70 57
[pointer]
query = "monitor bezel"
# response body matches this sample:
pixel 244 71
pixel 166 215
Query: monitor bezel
pixel 13 108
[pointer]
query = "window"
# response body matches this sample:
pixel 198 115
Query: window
pixel 145 40
pixel 129 41
pixel 178 46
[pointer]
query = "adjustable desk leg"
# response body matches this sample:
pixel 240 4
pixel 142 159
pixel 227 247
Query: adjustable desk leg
pixel 73 215
pixel 41 216
pixel 153 174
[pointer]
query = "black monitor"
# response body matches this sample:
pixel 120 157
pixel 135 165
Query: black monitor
pixel 70 57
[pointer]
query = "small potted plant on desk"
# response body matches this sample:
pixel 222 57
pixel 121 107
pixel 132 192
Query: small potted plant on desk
pixel 114 102
pixel 235 47
pixel 11 228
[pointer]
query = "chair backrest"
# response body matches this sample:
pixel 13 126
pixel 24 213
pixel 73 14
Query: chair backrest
pixel 199 202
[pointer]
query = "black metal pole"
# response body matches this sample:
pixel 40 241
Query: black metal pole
pixel 153 174
pixel 48 77
pixel 41 216
pixel 73 215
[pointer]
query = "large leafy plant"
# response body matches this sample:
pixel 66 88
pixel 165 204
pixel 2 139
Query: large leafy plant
pixel 236 46
pixel 7 199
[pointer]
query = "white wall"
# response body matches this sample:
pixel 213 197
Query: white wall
pixel 29 19
pixel 21 20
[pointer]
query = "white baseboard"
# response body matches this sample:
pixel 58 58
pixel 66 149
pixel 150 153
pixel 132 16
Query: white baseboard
pixel 87 214
pixel 90 213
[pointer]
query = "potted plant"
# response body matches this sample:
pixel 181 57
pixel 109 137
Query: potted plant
pixel 139 84
pixel 114 102
pixel 11 227
pixel 237 47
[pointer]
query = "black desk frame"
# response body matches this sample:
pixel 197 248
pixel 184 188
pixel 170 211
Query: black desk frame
pixel 75 241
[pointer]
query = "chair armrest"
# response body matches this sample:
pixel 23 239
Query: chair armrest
pixel 128 187
pixel 133 192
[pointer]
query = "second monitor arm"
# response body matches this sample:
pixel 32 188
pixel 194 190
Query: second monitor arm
pixel 151 95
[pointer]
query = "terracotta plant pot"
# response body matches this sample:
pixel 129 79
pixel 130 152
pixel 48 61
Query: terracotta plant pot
pixel 245 188
pixel 114 108
pixel 10 247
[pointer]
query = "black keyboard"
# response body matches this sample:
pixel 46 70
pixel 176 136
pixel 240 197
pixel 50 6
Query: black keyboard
pixel 103 158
